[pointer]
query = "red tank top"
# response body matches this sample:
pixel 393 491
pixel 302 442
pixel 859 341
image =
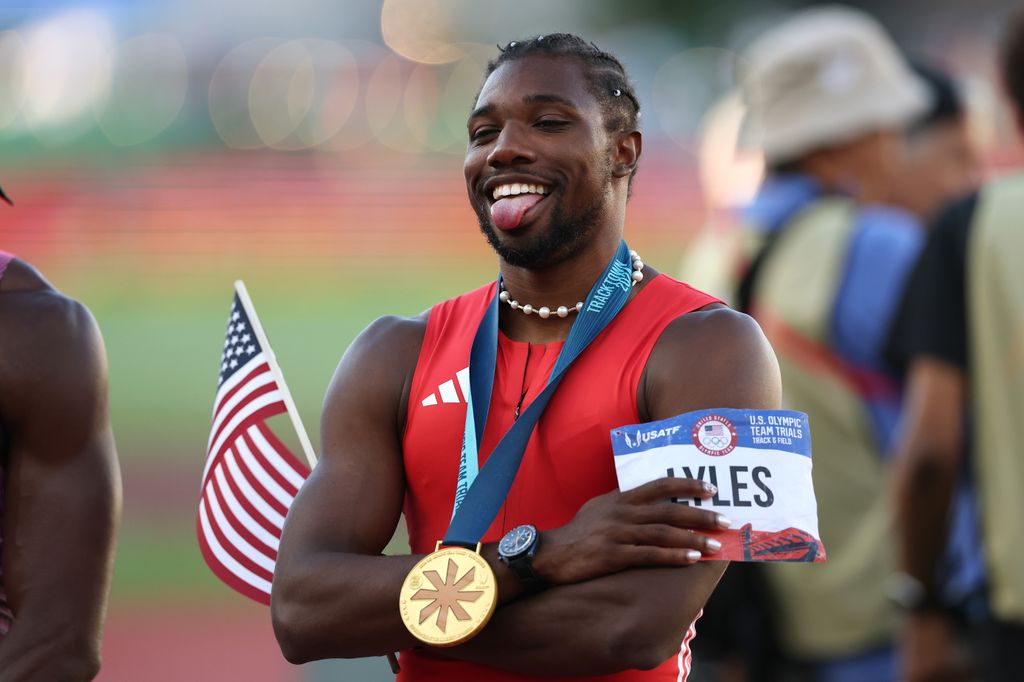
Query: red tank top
pixel 569 457
pixel 5 611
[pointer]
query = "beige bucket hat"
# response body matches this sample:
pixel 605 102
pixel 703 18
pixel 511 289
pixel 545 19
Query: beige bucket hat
pixel 823 77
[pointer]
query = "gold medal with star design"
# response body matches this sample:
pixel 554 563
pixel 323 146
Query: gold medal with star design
pixel 448 596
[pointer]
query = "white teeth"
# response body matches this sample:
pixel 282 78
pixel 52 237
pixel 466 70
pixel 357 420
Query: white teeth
pixel 518 188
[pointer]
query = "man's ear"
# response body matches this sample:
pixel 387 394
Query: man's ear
pixel 627 153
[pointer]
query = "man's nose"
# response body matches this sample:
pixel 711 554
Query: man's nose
pixel 510 148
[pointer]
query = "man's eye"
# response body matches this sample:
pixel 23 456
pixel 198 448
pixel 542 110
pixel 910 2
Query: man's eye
pixel 483 133
pixel 551 123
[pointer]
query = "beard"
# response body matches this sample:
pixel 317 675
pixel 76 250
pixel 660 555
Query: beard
pixel 564 237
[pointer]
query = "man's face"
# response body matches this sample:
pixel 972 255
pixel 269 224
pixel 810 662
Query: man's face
pixel 537 141
pixel 941 166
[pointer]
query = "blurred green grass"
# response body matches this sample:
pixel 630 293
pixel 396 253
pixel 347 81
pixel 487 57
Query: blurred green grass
pixel 163 345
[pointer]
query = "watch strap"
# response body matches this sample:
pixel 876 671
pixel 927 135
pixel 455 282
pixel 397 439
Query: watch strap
pixel 528 577
pixel 522 565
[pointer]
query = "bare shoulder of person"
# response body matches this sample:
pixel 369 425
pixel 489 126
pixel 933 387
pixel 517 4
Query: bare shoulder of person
pixel 57 344
pixel 712 357
pixel 373 379
pixel 20 277
pixel 38 314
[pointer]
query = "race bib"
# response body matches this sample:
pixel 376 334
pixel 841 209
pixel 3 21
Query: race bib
pixel 760 461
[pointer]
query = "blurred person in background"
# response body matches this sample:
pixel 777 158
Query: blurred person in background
pixel 830 252
pixel 60 490
pixel 941 162
pixel 737 638
pixel 960 334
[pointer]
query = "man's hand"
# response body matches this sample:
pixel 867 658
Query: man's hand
pixel 639 528
pixel 930 651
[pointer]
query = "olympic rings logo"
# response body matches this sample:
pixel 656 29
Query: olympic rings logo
pixel 714 435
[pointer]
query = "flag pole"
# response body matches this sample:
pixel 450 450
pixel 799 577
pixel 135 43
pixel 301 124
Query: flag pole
pixel 275 369
pixel 293 411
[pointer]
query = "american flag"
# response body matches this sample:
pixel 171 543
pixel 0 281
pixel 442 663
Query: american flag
pixel 714 429
pixel 250 477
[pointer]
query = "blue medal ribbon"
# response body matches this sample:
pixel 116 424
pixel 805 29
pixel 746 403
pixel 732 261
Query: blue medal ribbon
pixel 479 497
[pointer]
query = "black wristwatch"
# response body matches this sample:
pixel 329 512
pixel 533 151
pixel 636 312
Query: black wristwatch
pixel 516 550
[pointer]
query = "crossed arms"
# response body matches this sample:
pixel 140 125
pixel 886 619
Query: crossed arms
pixel 625 585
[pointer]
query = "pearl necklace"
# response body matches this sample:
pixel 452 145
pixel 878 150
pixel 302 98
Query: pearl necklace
pixel 545 312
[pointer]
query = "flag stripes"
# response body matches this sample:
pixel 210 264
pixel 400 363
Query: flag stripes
pixel 260 378
pixel 254 528
pixel 264 511
pixel 250 477
pixel 243 506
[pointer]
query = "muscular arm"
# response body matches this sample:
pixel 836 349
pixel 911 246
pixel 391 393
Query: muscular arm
pixel 334 595
pixel 612 621
pixel 63 490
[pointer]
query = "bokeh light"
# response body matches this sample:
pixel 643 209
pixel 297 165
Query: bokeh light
pixel 65 72
pixel 302 92
pixel 353 79
pixel 229 91
pixel 147 89
pixel 421 30
pixel 384 105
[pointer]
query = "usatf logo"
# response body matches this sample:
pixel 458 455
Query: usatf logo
pixel 642 436
pixel 714 435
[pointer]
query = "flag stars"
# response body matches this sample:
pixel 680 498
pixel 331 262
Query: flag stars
pixel 241 344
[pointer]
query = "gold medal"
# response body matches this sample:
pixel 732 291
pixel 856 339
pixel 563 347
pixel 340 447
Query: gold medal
pixel 448 596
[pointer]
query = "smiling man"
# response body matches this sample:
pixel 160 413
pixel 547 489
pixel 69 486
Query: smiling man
pixel 590 582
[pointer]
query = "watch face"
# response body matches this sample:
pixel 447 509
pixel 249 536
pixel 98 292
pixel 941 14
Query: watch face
pixel 517 541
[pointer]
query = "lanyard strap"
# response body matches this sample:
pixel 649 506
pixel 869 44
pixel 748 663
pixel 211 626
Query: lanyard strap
pixel 479 497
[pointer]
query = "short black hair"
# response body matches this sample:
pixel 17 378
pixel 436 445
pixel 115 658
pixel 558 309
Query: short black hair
pixel 607 80
pixel 947 103
pixel 1013 61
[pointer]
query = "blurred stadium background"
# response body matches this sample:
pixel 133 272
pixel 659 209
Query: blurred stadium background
pixel 156 151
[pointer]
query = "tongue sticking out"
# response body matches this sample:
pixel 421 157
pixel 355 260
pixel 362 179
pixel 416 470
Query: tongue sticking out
pixel 507 212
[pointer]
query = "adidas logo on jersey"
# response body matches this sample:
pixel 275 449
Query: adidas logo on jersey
pixel 448 391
